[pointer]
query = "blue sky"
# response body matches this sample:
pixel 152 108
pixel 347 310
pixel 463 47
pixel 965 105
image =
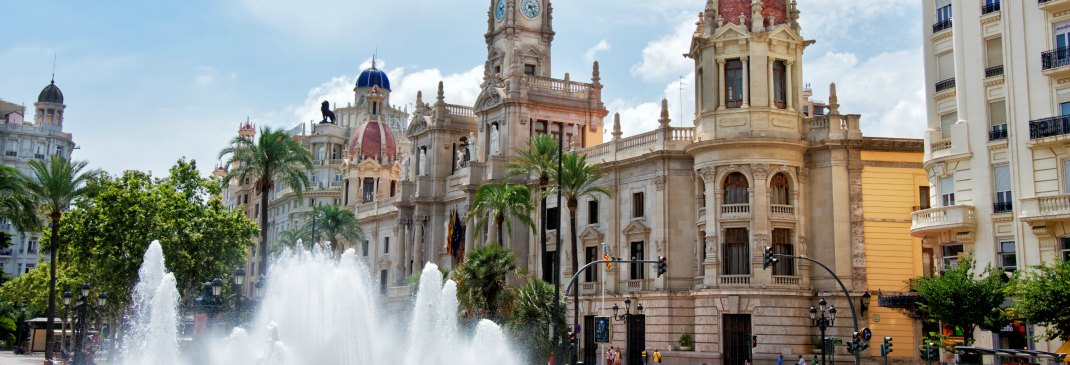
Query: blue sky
pixel 149 82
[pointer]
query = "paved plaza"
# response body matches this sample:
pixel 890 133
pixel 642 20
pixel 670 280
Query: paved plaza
pixel 9 358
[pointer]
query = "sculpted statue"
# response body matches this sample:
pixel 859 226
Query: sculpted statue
pixel 423 163
pixel 495 144
pixel 405 169
pixel 473 148
pixel 460 158
pixel 325 108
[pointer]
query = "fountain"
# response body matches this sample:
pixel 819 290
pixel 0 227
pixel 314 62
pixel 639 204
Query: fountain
pixel 318 309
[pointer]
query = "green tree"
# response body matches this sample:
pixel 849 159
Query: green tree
pixel 56 185
pixel 201 238
pixel 18 202
pixel 338 225
pixel 539 160
pixel 273 157
pixel 530 319
pixel 481 282
pixel 1044 298
pixel 962 299
pixel 291 239
pixel 501 203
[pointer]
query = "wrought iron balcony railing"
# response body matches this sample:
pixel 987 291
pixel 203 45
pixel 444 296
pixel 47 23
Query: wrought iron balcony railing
pixel 946 84
pixel 994 71
pixel 990 8
pixel 1003 207
pixel 997 133
pixel 1049 127
pixel 1058 57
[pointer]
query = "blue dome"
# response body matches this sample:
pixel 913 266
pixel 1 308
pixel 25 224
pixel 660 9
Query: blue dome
pixel 373 77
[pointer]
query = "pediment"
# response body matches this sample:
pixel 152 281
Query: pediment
pixel 784 32
pixel 591 234
pixel 419 124
pixel 490 97
pixel 636 227
pixel 731 31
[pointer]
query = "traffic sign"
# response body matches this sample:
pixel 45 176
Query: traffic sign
pixel 867 334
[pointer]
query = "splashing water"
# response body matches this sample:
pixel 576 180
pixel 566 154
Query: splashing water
pixel 321 309
pixel 153 334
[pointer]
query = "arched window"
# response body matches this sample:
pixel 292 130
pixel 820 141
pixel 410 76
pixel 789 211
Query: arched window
pixel 733 76
pixel 780 96
pixel 735 189
pixel 779 191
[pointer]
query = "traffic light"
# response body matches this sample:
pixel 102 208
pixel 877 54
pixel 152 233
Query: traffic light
pixel 886 347
pixel 571 339
pixel 662 266
pixel 753 341
pixel 768 258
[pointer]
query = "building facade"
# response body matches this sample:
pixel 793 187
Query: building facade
pixel 998 94
pixel 23 141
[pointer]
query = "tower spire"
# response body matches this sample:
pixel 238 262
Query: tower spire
pixel 53 67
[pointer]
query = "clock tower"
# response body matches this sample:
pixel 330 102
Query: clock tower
pixel 519 36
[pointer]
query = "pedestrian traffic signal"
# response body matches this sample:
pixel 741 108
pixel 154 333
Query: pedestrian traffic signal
pixel 662 266
pixel 768 258
pixel 886 347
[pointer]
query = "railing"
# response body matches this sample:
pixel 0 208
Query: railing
pixel 336 161
pixel 943 144
pixel 1049 127
pixel 787 280
pixel 942 25
pixel 735 280
pixel 11 153
pixel 588 288
pixel 1058 57
pixel 820 123
pixel 683 134
pixel 998 133
pixel 637 285
pixel 335 184
pixel 5 252
pixel 778 209
pixel 39 156
pixel 555 85
pixel 1003 207
pixel 945 85
pixel 990 8
pixel 1045 207
pixel 637 141
pixel 461 110
pixel 730 209
pixel 942 218
pixel 994 71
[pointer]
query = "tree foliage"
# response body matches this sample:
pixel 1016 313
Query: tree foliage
pixel 109 234
pixel 337 225
pixel 17 202
pixel 481 282
pixel 501 203
pixel 1044 298
pixel 962 299
pixel 530 319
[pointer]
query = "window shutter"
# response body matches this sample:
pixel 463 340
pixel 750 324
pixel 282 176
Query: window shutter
pixel 947 185
pixel 1003 178
pixel 942 3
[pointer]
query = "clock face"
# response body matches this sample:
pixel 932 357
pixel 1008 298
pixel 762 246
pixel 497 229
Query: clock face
pixel 499 11
pixel 530 8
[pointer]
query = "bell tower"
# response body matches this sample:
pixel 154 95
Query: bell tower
pixel 519 37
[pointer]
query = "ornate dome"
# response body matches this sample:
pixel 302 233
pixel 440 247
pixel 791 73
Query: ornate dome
pixel 51 94
pixel 373 140
pixel 373 77
pixel 730 10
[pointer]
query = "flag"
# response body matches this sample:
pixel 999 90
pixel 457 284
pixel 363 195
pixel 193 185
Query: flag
pixel 449 234
pixel 605 256
pixel 458 235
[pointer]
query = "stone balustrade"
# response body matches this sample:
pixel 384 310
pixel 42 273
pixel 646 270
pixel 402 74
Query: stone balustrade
pixel 953 218
pixel 735 280
pixel 1055 207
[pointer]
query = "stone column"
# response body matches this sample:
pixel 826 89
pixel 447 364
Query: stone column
pixel 720 80
pixel 746 81
pixel 788 84
pixel 771 82
pixel 418 247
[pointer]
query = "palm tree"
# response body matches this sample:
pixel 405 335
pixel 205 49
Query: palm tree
pixel 577 181
pixel 17 202
pixel 335 223
pixel 289 239
pixel 531 317
pixel 540 160
pixel 57 184
pixel 271 157
pixel 499 202
pixel 481 286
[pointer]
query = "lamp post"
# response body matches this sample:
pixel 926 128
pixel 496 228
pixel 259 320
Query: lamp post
pixel 635 336
pixel 826 319
pixel 63 324
pixel 239 279
pixel 81 327
pixel 21 323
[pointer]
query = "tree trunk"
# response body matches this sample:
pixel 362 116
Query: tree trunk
pixel 500 221
pixel 547 266
pixel 263 231
pixel 53 241
pixel 575 269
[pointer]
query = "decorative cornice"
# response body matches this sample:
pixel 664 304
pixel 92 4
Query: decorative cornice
pixel 947 94
pixel 942 35
pixel 998 145
pixel 992 17
pixel 893 144
pixel 994 81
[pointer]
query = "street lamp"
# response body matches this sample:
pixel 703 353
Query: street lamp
pixel 63 324
pixel 636 330
pixel 81 327
pixel 217 287
pixel 826 319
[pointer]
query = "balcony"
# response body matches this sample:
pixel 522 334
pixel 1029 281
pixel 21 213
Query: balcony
pixel 1002 207
pixel 637 285
pixel 1054 6
pixel 735 211
pixel 990 8
pixel 943 144
pixel 945 85
pixel 941 25
pixel 5 252
pixel 942 219
pixel 1054 62
pixel 994 71
pixel 735 280
pixel 1049 127
pixel 997 133
pixel 786 280
pixel 782 211
pixel 1045 208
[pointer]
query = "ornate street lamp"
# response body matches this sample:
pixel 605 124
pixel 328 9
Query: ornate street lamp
pixel 823 317
pixel 83 307
pixel 217 287
pixel 636 329
pixel 66 315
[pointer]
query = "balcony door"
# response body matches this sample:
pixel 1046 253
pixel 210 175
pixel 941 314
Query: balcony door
pixel 1062 41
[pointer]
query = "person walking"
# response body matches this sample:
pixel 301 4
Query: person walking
pixel 616 357
pixel 609 356
pixel 657 357
pixel 815 362
pixel 780 360
pixel 802 361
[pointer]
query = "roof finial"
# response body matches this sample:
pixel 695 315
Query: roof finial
pixel 834 101
pixel 596 75
pixel 441 93
pixel 374 56
pixel 616 127
pixel 53 67
pixel 665 121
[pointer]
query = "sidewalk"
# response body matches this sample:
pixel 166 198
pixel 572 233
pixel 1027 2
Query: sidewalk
pixel 9 358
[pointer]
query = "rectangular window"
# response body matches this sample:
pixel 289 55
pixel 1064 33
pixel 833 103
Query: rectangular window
pixel 733 75
pixel 782 245
pixel 945 66
pixel 1066 249
pixel 1064 109
pixel 923 198
pixel 946 121
pixel 1002 176
pixel 943 10
pixel 393 188
pixel 592 212
pixel 369 190
pixel 780 96
pixel 364 248
pixel 386 245
pixel 997 120
pixel 591 274
pixel 736 252
pixel 382 282
pixel 637 205
pixel 553 218
pixel 1008 260
pixel 994 50
pixel 637 254
pixel 947 190
pixel 529 70
pixel 951 255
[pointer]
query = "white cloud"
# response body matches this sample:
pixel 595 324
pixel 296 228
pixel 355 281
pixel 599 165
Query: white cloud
pixel 831 19
pixel 592 53
pixel 636 118
pixel 206 76
pixel 663 59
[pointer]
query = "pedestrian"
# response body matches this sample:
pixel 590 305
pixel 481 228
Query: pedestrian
pixel 815 362
pixel 609 356
pixel 657 356
pixel 616 358
pixel 780 360
pixel 801 360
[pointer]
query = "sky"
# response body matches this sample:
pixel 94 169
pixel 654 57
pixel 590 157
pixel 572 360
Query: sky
pixel 147 83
